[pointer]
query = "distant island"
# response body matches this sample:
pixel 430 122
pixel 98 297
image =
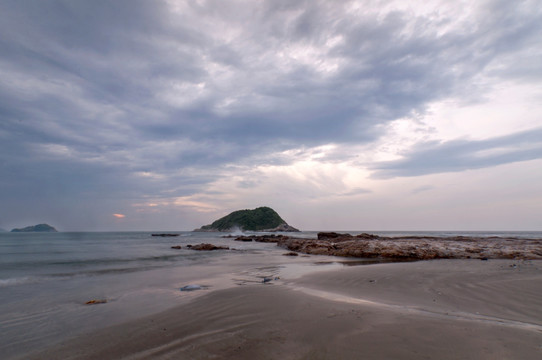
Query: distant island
pixel 260 219
pixel 36 228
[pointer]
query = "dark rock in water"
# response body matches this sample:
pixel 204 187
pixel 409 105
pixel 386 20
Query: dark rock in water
pixel 330 235
pixel 291 253
pixel 165 235
pixel 259 219
pixel 244 238
pixel 95 302
pixel 207 247
pixel 176 247
pixel 192 287
pixel 263 238
pixel 36 228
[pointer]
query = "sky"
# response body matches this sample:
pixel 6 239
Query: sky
pixel 340 115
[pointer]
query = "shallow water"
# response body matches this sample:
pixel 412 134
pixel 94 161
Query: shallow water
pixel 46 278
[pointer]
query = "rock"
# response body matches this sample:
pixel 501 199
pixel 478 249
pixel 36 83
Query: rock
pixel 165 235
pixel 95 302
pixel 282 228
pixel 291 253
pixel 176 247
pixel 36 228
pixel 414 248
pixel 330 235
pixel 244 238
pixel 263 238
pixel 367 236
pixel 343 237
pixel 192 287
pixel 207 247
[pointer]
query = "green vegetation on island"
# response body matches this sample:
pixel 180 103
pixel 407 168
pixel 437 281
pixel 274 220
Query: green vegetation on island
pixel 36 228
pixel 260 219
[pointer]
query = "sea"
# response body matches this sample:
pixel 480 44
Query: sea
pixel 46 279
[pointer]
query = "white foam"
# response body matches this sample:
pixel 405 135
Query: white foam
pixel 236 231
pixel 18 281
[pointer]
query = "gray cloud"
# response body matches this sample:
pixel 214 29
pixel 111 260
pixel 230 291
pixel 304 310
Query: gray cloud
pixel 460 155
pixel 356 191
pixel 92 93
pixel 422 188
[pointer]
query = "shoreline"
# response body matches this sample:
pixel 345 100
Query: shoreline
pixel 444 309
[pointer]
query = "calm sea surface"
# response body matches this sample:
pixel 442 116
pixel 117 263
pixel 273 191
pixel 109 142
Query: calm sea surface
pixel 46 278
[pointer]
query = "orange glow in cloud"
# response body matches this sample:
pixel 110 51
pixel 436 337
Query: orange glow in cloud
pixel 119 216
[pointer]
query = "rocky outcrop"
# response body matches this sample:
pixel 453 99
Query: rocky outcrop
pixel 165 235
pixel 331 235
pixel 416 247
pixel 273 238
pixel 96 302
pixel 36 228
pixel 343 237
pixel 282 228
pixel 207 247
pixel 291 253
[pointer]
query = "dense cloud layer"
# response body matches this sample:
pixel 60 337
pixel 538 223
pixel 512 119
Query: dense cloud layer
pixel 459 155
pixel 115 103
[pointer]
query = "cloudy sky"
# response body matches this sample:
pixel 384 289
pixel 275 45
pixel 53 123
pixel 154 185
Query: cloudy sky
pixel 340 115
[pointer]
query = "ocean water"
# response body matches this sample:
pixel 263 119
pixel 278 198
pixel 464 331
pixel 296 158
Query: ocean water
pixel 46 278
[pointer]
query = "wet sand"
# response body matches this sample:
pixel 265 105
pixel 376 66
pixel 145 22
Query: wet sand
pixel 441 309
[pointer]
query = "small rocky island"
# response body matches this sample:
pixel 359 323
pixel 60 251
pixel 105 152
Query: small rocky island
pixel 260 219
pixel 36 228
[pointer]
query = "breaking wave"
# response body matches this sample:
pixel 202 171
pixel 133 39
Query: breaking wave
pixel 18 281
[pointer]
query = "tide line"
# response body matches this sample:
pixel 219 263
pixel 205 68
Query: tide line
pixel 453 315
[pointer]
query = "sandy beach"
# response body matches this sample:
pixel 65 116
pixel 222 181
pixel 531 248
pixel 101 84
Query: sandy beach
pixel 440 309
